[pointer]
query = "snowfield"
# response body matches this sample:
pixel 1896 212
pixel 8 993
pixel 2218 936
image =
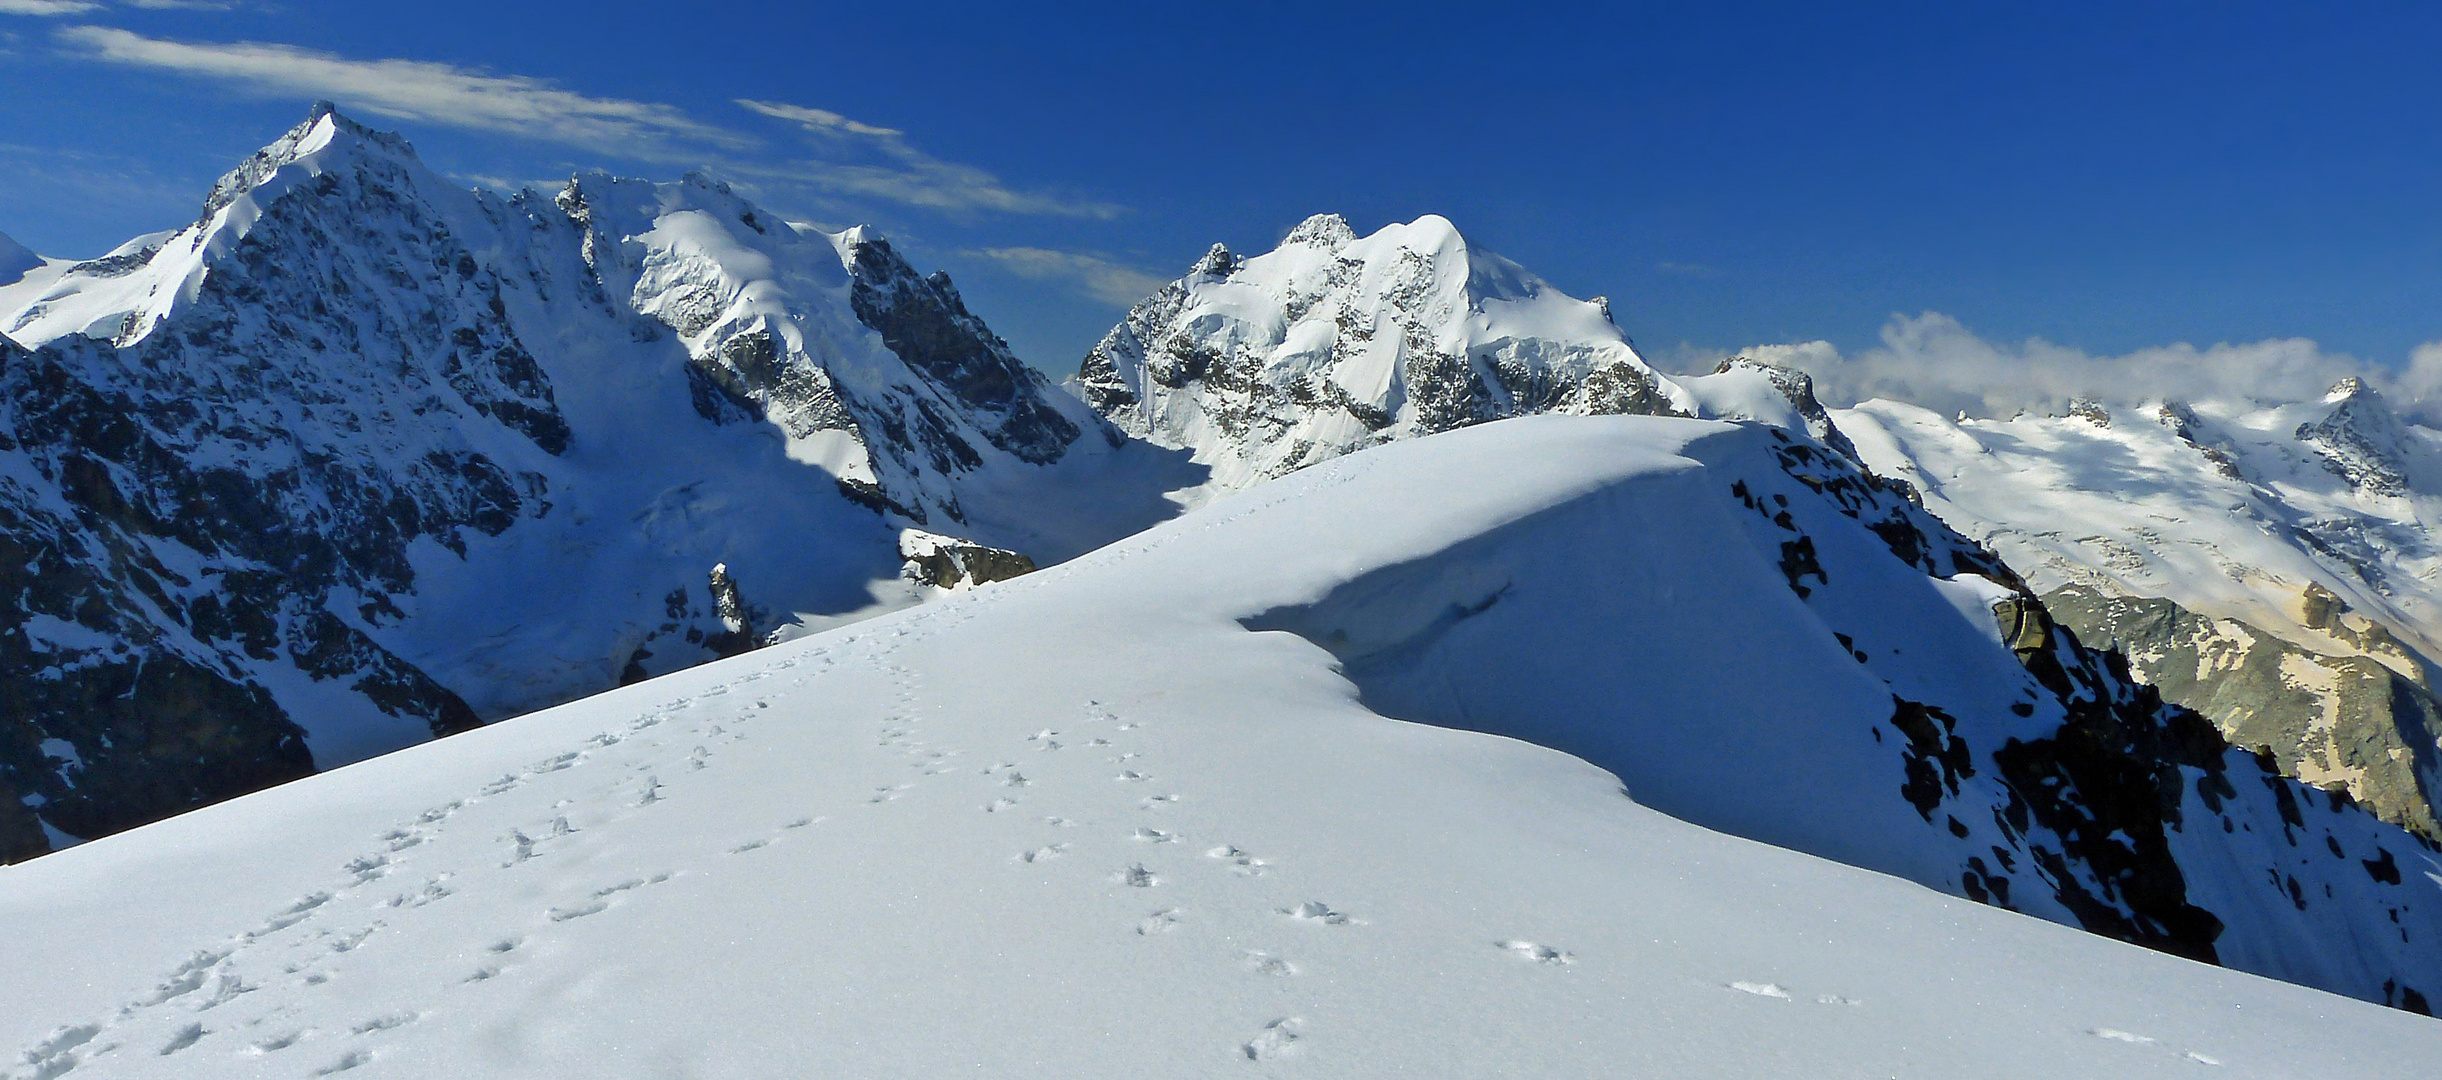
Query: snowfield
pixel 1086 823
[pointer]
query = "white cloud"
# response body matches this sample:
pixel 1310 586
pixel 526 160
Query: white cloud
pixel 420 91
pixel 868 161
pixel 904 174
pixel 1934 361
pixel 1094 275
pixel 2421 383
pixel 47 8
pixel 818 119
pixel 55 8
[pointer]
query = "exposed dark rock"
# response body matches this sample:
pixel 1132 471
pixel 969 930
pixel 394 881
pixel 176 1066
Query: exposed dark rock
pixel 2361 440
pixel 738 619
pixel 923 320
pixel 2346 719
pixel 948 563
pixel 343 315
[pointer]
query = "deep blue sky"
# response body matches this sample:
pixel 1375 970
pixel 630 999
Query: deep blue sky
pixel 1728 173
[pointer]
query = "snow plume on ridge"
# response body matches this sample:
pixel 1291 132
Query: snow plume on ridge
pixel 1935 361
pixel 15 260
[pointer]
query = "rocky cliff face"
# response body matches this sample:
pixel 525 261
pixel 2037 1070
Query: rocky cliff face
pixel 360 458
pixel 2345 721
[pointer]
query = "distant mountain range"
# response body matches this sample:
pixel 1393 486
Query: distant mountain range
pixel 361 458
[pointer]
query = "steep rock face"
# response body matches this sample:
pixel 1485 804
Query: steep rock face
pixel 131 719
pixel 2361 440
pixel 238 488
pixel 1331 343
pixel 2271 566
pixel 922 319
pixel 360 458
pixel 2346 721
pixel 1948 730
pixel 874 372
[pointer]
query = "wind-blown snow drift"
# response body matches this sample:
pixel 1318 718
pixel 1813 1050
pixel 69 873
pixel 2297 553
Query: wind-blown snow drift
pixel 1085 824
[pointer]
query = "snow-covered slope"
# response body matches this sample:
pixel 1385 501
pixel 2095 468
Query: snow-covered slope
pixel 2306 580
pixel 1086 824
pixel 2273 565
pixel 24 275
pixel 361 456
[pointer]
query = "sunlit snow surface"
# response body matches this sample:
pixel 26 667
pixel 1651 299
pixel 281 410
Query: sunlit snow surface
pixel 1083 824
pixel 2226 509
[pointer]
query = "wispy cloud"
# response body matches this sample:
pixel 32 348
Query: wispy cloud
pixel 57 8
pixel 2420 385
pixel 858 161
pixel 1680 269
pixel 420 91
pixel 895 170
pixel 1092 275
pixel 1935 361
pixel 47 8
pixel 821 120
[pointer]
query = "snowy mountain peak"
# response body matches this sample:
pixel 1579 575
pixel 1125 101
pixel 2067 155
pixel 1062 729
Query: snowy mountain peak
pixel 1331 343
pixel 870 370
pixel 323 129
pixel 2361 440
pixel 366 457
pixel 1322 230
pixel 122 296
pixel 1742 388
pixel 1216 263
